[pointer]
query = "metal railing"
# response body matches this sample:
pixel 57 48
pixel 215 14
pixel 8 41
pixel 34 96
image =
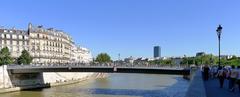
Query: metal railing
pixel 103 65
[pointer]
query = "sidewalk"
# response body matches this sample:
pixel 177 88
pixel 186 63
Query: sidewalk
pixel 213 89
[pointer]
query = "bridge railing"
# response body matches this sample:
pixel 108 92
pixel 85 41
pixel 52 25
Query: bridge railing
pixel 92 65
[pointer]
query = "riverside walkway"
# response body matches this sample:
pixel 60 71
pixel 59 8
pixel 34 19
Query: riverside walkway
pixel 213 89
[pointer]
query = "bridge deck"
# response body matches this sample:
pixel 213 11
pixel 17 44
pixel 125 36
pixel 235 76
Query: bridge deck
pixel 104 69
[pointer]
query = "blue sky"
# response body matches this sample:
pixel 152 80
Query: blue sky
pixel 133 27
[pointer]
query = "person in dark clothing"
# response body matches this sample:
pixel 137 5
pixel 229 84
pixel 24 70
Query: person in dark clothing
pixel 238 78
pixel 206 72
pixel 232 77
pixel 221 76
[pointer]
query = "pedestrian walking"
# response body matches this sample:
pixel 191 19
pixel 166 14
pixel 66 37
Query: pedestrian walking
pixel 229 70
pixel 206 72
pixel 215 70
pixel 233 77
pixel 230 82
pixel 221 76
pixel 238 78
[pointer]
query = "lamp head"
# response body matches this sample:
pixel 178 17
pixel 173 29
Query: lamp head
pixel 219 30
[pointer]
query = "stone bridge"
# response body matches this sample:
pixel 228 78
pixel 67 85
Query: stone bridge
pixel 21 69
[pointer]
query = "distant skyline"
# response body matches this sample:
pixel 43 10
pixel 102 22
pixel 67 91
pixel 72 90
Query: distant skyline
pixel 134 27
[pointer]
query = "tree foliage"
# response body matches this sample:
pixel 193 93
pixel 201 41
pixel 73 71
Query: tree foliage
pixel 5 56
pixel 25 58
pixel 210 60
pixel 103 58
pixel 167 62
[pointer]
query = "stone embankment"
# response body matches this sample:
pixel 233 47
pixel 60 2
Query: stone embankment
pixel 196 87
pixel 10 83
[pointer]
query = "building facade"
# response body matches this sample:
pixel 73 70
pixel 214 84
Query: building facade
pixel 45 45
pixel 15 40
pixel 81 55
pixel 200 54
pixel 156 52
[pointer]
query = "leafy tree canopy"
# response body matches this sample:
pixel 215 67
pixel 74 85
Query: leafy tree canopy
pixel 5 56
pixel 103 58
pixel 25 58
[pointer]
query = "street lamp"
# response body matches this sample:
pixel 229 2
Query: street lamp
pixel 219 32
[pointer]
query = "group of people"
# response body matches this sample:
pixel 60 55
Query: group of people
pixel 230 73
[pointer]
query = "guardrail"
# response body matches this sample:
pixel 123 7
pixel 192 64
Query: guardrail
pixel 13 66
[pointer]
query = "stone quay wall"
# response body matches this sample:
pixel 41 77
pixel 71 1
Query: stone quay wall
pixel 8 81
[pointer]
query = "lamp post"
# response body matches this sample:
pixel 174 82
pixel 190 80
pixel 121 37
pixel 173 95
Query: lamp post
pixel 219 32
pixel 119 59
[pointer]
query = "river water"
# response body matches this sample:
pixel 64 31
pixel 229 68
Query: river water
pixel 116 85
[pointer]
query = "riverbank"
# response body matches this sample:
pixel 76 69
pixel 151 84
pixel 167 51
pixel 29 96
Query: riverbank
pixel 91 77
pixel 115 85
pixel 49 85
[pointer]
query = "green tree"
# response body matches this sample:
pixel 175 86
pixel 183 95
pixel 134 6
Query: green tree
pixel 25 58
pixel 190 61
pixel 206 59
pixel 154 62
pixel 5 56
pixel 184 61
pixel 167 62
pixel 233 61
pixel 103 58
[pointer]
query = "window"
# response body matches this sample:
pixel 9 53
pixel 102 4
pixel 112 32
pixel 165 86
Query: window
pixel 20 37
pixel 8 42
pixel 26 43
pixel 13 36
pixel 14 42
pixel 8 36
pixel 20 43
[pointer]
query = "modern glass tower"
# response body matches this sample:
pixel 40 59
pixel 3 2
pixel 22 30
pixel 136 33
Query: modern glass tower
pixel 156 52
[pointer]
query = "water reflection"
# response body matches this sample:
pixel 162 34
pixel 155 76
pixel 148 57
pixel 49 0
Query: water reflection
pixel 116 85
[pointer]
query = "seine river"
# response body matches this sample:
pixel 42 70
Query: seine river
pixel 116 85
